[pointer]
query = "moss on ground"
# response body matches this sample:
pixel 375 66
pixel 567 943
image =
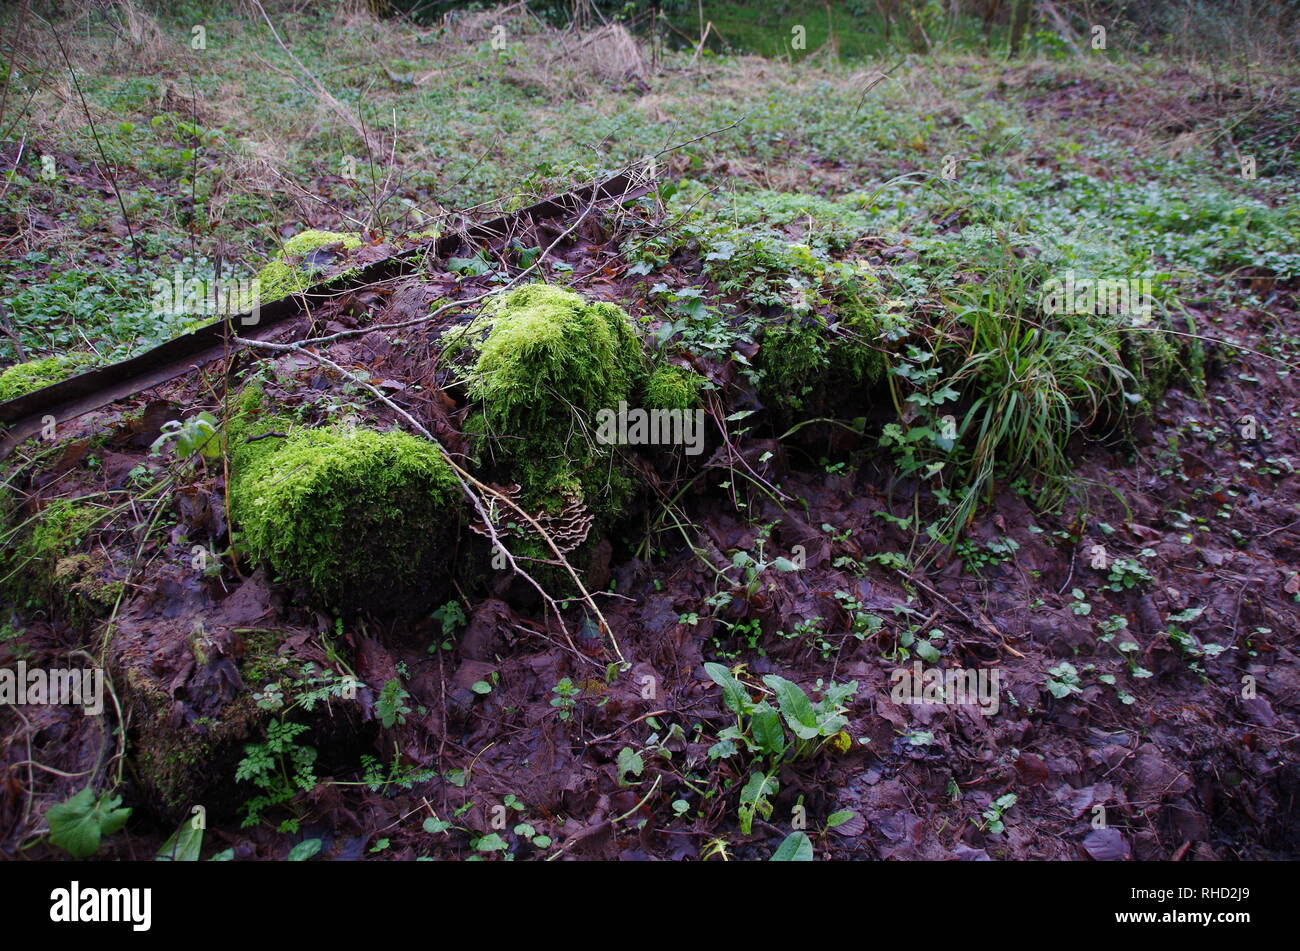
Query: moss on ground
pixel 673 387
pixel 23 378
pixel 1152 357
pixel 287 274
pixel 811 367
pixel 41 560
pixel 363 518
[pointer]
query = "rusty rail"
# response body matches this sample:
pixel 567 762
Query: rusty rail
pixel 26 415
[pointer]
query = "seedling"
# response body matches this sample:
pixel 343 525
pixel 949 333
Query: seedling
pixel 992 816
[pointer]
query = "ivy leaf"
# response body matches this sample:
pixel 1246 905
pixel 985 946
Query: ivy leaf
pixel 629 761
pixel 473 267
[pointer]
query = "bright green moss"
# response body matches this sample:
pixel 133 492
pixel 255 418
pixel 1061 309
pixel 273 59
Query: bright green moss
pixel 673 387
pixel 793 359
pixel 284 274
pixel 23 378
pixel 361 517
pixel 549 362
pixel 856 356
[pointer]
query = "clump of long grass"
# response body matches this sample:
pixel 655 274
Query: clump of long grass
pixel 1027 385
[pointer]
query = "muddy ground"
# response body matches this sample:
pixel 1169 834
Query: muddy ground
pixel 1198 765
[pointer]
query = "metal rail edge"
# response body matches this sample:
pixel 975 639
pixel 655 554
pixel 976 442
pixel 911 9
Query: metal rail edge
pixel 26 415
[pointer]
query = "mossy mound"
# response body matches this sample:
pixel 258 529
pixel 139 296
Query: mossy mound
pixel 287 273
pixel 812 367
pixel 363 518
pixel 42 560
pixel 23 378
pixel 673 387
pixel 549 363
pixel 1153 359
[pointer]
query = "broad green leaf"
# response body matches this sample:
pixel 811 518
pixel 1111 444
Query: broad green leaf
pixel 796 847
pixel 755 798
pixel 491 843
pixel 733 691
pixel 78 824
pixel 795 707
pixel 766 727
pixel 304 850
pixel 184 845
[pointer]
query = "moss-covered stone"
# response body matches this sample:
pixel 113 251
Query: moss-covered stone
pixel 23 378
pixel 178 763
pixel 87 578
pixel 361 517
pixel 549 362
pixel 287 274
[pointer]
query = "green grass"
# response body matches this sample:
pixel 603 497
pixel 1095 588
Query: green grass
pixel 790 184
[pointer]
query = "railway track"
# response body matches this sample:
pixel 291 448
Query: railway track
pixel 29 414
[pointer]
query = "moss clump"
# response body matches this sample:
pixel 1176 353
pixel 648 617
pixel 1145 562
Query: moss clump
pixel 812 367
pixel 286 274
pixel 42 560
pixel 673 387
pixel 23 378
pixel 183 763
pixel 362 517
pixel 549 363
pixel 1152 359
pixel 793 361
pixel 82 576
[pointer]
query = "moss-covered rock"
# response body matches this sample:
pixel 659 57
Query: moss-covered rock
pixel 288 273
pixel 549 362
pixel 361 517
pixel 87 578
pixel 23 378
